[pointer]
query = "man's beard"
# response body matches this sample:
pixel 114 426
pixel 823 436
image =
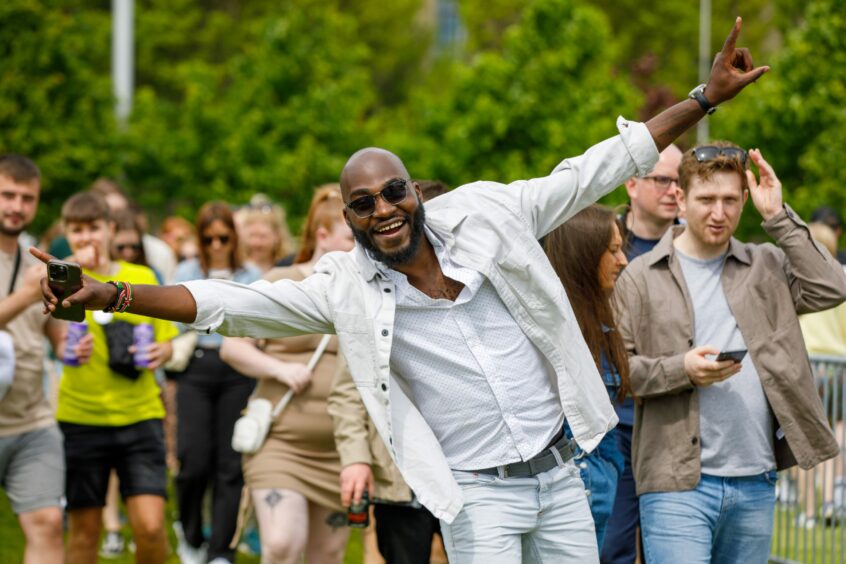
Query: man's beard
pixel 402 256
pixel 7 232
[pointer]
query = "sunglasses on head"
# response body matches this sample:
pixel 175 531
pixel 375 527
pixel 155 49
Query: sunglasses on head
pixel 394 192
pixel 710 152
pixel 121 247
pixel 224 239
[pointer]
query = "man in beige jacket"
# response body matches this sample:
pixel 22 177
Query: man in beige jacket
pixel 710 433
pixel 404 528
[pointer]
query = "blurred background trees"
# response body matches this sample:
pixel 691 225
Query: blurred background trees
pixel 235 97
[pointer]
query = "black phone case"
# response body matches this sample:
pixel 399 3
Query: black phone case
pixel 65 288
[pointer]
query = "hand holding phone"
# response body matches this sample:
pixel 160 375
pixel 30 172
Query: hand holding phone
pixel 65 278
pixel 736 356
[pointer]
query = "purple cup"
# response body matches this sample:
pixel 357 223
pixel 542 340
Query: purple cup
pixel 142 338
pixel 76 331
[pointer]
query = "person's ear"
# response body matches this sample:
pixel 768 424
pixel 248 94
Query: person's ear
pixel 631 188
pixel 681 199
pixel 347 217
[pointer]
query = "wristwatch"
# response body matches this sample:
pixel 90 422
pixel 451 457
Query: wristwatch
pixel 698 94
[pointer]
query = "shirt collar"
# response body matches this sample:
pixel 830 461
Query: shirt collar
pixel 664 249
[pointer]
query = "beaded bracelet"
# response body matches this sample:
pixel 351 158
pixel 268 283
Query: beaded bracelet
pixel 123 299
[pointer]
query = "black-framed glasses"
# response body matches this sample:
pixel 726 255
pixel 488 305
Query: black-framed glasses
pixel 394 192
pixel 208 240
pixel 662 182
pixel 121 247
pixel 710 152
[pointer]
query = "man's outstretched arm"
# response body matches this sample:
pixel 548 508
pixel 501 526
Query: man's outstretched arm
pixel 732 71
pixel 174 303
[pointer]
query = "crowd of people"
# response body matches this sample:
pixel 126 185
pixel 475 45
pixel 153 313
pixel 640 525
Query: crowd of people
pixel 527 373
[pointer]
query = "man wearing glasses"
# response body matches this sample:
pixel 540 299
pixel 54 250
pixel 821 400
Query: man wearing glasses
pixel 718 364
pixel 458 333
pixel 652 210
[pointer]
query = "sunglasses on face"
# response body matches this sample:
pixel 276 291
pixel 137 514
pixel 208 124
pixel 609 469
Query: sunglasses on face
pixel 135 247
pixel 394 192
pixel 709 153
pixel 208 240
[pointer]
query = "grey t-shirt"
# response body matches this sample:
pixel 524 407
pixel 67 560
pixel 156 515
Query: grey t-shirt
pixel 736 424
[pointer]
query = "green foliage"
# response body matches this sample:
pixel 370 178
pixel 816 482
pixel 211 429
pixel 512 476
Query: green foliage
pixel 796 114
pixel 549 94
pixel 55 100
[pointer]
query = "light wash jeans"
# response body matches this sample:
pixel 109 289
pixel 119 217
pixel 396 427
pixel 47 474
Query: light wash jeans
pixel 721 521
pixel 544 518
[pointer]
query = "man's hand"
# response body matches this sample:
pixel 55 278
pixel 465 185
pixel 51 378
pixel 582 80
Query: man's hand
pixel 703 372
pixel 294 375
pixel 83 349
pixel 157 353
pixel 732 70
pixel 32 282
pixel 766 194
pixel 355 478
pixel 92 295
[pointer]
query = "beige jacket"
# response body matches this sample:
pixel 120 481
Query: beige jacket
pixel 765 286
pixel 358 441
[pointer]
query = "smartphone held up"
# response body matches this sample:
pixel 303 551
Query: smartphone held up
pixel 65 278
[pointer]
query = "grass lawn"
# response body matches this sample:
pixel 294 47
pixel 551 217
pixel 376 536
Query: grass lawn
pixel 12 544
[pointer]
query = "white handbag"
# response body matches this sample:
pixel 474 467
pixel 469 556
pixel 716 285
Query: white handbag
pixel 251 428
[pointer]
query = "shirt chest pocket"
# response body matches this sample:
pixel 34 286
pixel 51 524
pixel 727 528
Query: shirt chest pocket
pixel 355 336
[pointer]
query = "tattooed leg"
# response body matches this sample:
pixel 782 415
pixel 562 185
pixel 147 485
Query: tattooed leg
pixel 283 525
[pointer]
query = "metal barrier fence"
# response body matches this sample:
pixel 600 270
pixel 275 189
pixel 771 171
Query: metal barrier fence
pixel 810 516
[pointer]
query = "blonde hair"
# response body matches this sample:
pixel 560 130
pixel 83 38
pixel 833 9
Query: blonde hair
pixel 326 209
pixel 824 235
pixel 273 217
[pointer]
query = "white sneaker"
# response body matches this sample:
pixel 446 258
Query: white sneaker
pixel 113 545
pixel 190 555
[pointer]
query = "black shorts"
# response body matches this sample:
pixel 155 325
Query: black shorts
pixel 136 452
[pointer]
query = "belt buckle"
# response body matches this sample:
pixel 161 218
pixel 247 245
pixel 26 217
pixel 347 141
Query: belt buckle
pixel 502 471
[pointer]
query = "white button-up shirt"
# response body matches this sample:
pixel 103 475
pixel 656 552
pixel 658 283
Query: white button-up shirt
pixel 481 385
pixel 485 226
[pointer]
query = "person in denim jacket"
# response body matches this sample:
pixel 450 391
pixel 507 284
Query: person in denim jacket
pixel 587 254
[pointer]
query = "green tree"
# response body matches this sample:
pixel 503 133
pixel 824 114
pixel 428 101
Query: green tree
pixel 549 94
pixel 55 94
pixel 796 114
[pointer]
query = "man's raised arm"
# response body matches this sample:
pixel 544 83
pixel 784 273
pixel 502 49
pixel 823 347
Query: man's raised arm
pixel 174 303
pixel 732 72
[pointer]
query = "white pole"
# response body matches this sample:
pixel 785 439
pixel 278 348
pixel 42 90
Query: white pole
pixel 122 57
pixel 702 131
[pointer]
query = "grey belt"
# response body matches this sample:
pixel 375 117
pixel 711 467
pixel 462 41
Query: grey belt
pixel 550 457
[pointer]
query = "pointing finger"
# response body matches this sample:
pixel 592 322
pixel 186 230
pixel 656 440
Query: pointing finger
pixel 731 40
pixel 41 255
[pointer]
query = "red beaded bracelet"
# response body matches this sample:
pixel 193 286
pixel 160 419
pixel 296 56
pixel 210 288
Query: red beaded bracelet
pixel 123 299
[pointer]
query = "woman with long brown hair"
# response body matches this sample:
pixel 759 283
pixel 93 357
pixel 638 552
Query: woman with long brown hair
pixel 293 479
pixel 586 253
pixel 210 396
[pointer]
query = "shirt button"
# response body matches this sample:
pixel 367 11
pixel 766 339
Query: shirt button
pixel 694 440
pixel 690 342
pixel 583 465
pixel 387 290
pixel 384 387
pixel 384 332
pixel 587 493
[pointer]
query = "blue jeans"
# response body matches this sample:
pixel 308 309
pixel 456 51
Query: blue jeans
pixel 722 520
pixel 621 532
pixel 600 471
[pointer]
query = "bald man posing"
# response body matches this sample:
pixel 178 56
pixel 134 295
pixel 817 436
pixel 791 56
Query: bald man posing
pixel 458 333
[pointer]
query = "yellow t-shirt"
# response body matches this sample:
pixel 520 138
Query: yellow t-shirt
pixel 91 394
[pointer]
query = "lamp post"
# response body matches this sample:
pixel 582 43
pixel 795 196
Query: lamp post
pixel 123 69
pixel 702 131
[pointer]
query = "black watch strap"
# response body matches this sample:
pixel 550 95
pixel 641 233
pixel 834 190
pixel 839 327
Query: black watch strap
pixel 698 94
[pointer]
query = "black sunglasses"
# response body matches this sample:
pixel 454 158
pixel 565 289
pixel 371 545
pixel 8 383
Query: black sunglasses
pixel 394 192
pixel 709 153
pixel 128 247
pixel 224 239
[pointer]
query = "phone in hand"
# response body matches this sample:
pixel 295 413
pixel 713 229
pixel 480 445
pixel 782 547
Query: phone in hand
pixel 65 278
pixel 736 356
